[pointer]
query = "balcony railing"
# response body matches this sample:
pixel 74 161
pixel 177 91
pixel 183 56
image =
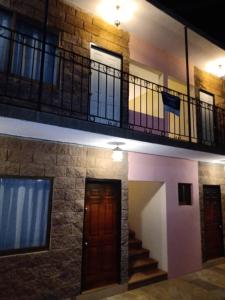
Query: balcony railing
pixel 77 87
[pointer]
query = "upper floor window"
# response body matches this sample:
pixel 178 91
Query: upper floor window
pixel 5 24
pixel 26 50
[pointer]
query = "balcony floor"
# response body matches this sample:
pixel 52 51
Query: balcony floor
pixel 207 284
pixel 94 135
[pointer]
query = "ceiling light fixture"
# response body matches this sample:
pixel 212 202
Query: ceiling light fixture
pixel 117 154
pixel 117 11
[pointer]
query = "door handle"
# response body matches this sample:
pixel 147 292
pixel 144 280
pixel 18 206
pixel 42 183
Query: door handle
pixel 220 226
pixel 86 244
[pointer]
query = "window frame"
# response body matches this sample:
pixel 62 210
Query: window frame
pixel 48 231
pixel 183 202
pixel 17 17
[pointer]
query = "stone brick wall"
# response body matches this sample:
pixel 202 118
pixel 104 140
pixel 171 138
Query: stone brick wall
pixel 210 174
pixel 76 30
pixel 56 274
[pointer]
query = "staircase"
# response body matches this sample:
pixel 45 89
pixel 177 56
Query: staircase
pixel 143 270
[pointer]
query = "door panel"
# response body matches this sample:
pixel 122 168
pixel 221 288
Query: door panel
pixel 213 222
pixel 101 253
pixel 207 118
pixel 105 88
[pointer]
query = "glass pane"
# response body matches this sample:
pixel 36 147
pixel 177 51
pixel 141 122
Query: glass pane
pixel 5 22
pixel 27 53
pixel 24 206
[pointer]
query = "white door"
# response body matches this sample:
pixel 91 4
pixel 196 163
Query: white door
pixel 207 118
pixel 105 87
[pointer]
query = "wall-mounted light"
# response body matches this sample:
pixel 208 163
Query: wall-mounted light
pixel 216 67
pixel 117 11
pixel 117 154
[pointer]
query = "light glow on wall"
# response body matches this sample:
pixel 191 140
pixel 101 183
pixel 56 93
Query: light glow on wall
pixel 216 67
pixel 117 11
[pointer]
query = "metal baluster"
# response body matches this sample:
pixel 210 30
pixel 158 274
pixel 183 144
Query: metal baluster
pixel 98 90
pixel 20 75
pixel 32 68
pixel 140 89
pixel 72 85
pixel 114 76
pixel 81 85
pixel 146 122
pixel 63 80
pixel 106 93
pixel 10 59
pixel 152 127
pixel 53 83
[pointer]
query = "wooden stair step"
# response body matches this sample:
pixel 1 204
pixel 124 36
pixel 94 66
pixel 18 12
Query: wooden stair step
pixel 143 264
pixel 138 253
pixel 135 243
pixel 131 234
pixel 145 278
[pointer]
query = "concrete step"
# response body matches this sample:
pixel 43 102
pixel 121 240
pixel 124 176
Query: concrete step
pixel 145 278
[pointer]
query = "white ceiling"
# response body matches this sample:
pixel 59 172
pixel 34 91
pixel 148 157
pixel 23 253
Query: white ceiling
pixel 158 28
pixel 25 129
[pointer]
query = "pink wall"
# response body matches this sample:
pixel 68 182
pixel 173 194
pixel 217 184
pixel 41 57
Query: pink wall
pixel 183 222
pixel 160 60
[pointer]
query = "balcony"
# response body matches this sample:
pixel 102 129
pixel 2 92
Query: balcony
pixel 78 88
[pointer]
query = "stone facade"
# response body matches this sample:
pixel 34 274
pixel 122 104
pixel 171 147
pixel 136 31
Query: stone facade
pixel 56 273
pixel 70 92
pixel 76 28
pixel 211 174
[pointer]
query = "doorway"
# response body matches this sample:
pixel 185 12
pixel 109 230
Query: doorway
pixel 213 222
pixel 101 241
pixel 105 100
pixel 207 117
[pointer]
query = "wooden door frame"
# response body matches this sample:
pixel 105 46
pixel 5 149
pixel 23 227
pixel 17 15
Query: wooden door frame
pixel 103 181
pixel 221 215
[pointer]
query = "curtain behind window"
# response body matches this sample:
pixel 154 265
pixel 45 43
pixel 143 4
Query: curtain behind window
pixel 5 22
pixel 24 206
pixel 27 54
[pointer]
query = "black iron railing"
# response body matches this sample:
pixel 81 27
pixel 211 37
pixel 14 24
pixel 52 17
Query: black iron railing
pixel 80 88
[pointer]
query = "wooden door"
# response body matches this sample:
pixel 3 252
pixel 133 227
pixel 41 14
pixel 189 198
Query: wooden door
pixel 101 243
pixel 213 222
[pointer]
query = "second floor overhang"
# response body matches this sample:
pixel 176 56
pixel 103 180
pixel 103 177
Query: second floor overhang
pixel 99 137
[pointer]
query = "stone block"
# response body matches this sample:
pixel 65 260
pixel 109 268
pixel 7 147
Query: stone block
pixel 64 183
pixel 17 156
pixel 75 172
pixel 12 168
pixel 55 171
pixel 3 154
pixel 31 169
pixel 44 158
